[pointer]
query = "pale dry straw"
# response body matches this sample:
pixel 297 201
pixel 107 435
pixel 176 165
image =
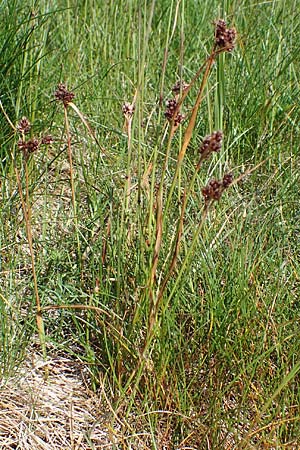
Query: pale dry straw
pixel 60 413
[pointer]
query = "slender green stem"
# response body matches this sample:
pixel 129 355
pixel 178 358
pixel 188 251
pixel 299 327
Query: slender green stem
pixel 72 184
pixel 191 126
pixel 190 251
pixel 186 195
pixel 26 207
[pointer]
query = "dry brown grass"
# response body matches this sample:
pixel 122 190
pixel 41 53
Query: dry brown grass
pixel 60 413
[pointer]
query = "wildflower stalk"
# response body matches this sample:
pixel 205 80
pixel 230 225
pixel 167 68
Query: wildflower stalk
pixel 138 370
pixel 26 208
pixel 186 195
pixel 191 125
pixel 85 123
pixel 210 144
pixel 7 117
pixel 128 111
pixel 190 251
pixel 224 42
pixel 29 146
pixel 65 96
pixel 159 219
pixel 227 181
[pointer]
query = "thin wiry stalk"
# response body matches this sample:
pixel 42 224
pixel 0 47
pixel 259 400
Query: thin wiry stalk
pixel 128 110
pixel 186 195
pixel 86 124
pixel 26 208
pixel 169 36
pixel 160 214
pixel 155 300
pixel 135 377
pixel 192 122
pixel 159 232
pixel 197 233
pixel 191 249
pixel 74 204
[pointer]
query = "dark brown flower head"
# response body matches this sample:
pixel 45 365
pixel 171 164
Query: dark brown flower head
pixel 22 145
pixel 171 106
pixel 179 86
pixel 211 143
pixel 63 95
pixel 47 140
pixel 29 146
pixel 172 113
pixel 224 37
pixel 128 110
pixel 24 126
pixel 32 145
pixel 213 190
pixel 179 118
pixel 227 180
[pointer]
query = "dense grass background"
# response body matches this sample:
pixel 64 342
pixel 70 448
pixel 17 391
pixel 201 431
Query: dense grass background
pixel 223 366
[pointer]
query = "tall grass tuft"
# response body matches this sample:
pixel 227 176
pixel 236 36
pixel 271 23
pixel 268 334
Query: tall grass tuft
pixel 179 295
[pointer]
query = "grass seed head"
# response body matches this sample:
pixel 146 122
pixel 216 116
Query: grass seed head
pixel 179 118
pixel 28 147
pixel 47 140
pixel 32 145
pixel 227 180
pixel 179 86
pixel 171 106
pixel 215 188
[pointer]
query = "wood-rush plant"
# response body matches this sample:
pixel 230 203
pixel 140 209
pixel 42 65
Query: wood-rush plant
pixel 224 41
pixel 154 293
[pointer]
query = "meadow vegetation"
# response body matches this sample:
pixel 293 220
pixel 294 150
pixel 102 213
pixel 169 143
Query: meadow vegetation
pixel 150 211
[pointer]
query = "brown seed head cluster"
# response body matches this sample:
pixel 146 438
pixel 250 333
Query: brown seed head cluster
pixel 47 140
pixel 224 37
pixel 214 189
pixel 30 146
pixel 63 95
pixel 171 106
pixel 24 126
pixel 211 143
pixel 171 114
pixel 227 180
pixel 128 110
pixel 179 86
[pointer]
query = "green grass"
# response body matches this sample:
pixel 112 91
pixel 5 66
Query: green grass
pixel 222 360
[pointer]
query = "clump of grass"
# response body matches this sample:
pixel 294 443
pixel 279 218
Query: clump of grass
pixel 180 299
pixel 154 293
pixel 155 297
